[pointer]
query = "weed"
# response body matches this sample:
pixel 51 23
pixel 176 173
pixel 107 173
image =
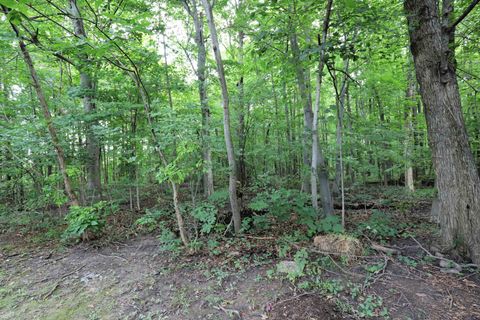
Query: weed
pixel 372 307
pixel 206 214
pixel 408 261
pixel 150 220
pixel 378 227
pixel 332 287
pixel 168 240
pixel 85 220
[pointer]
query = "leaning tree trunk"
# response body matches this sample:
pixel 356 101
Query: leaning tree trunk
pixel 48 117
pixel 431 39
pixel 148 112
pixel 88 88
pixel 232 184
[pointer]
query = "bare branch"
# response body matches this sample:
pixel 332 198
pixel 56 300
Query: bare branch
pixel 464 14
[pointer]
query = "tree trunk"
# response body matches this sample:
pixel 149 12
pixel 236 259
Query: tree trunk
pixel 318 161
pixel 94 186
pixel 307 111
pixel 409 141
pixel 431 39
pixel 202 91
pixel 176 204
pixel 93 191
pixel 242 170
pixel 232 185
pixel 48 117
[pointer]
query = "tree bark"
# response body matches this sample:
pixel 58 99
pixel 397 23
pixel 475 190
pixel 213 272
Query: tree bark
pixel 318 161
pixel 242 167
pixel 202 91
pixel 232 185
pixel 307 111
pixel 409 141
pixel 431 39
pixel 94 186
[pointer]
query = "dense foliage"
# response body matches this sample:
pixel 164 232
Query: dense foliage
pixel 122 88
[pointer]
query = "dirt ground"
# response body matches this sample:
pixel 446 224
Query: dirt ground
pixel 135 279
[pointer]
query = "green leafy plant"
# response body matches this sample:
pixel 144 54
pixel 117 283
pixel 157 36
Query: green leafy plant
pixel 219 198
pixel 206 214
pixel 150 220
pixel 408 261
pixel 379 226
pixel 330 224
pixel 301 260
pixel 281 205
pixel 168 240
pixel 333 287
pixel 84 222
pixel 372 307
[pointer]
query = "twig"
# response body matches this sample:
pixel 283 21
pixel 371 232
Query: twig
pixel 229 311
pixel 58 282
pixel 291 298
pixel 343 270
pixel 386 250
pixel 112 256
pixel 259 238
pixel 228 227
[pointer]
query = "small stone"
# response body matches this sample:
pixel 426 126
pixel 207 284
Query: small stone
pixel 287 266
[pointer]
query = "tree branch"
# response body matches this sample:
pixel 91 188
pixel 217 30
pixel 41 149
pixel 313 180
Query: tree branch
pixel 464 14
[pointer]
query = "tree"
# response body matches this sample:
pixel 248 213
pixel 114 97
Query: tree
pixel 88 92
pixel 46 112
pixel 192 9
pixel 432 36
pixel 232 182
pixel 317 154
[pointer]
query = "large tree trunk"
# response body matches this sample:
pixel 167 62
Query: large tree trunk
pixel 202 90
pixel 48 117
pixel 232 185
pixel 431 39
pixel 93 191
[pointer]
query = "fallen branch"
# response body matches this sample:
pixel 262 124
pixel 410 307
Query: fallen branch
pixel 229 312
pixel 259 238
pixel 448 261
pixel 386 250
pixel 112 256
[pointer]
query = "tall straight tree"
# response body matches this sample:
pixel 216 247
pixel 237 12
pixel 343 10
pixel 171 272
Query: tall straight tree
pixel 432 35
pixel 317 155
pixel 87 91
pixel 192 9
pixel 306 100
pixel 232 182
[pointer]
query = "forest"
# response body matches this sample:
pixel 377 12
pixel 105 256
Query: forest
pixel 239 159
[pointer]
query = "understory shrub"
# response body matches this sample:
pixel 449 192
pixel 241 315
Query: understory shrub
pixel 379 226
pixel 150 220
pixel 283 204
pixel 88 221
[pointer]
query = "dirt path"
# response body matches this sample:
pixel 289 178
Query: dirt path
pixel 136 280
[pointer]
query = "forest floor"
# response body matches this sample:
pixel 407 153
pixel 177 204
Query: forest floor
pixel 135 279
